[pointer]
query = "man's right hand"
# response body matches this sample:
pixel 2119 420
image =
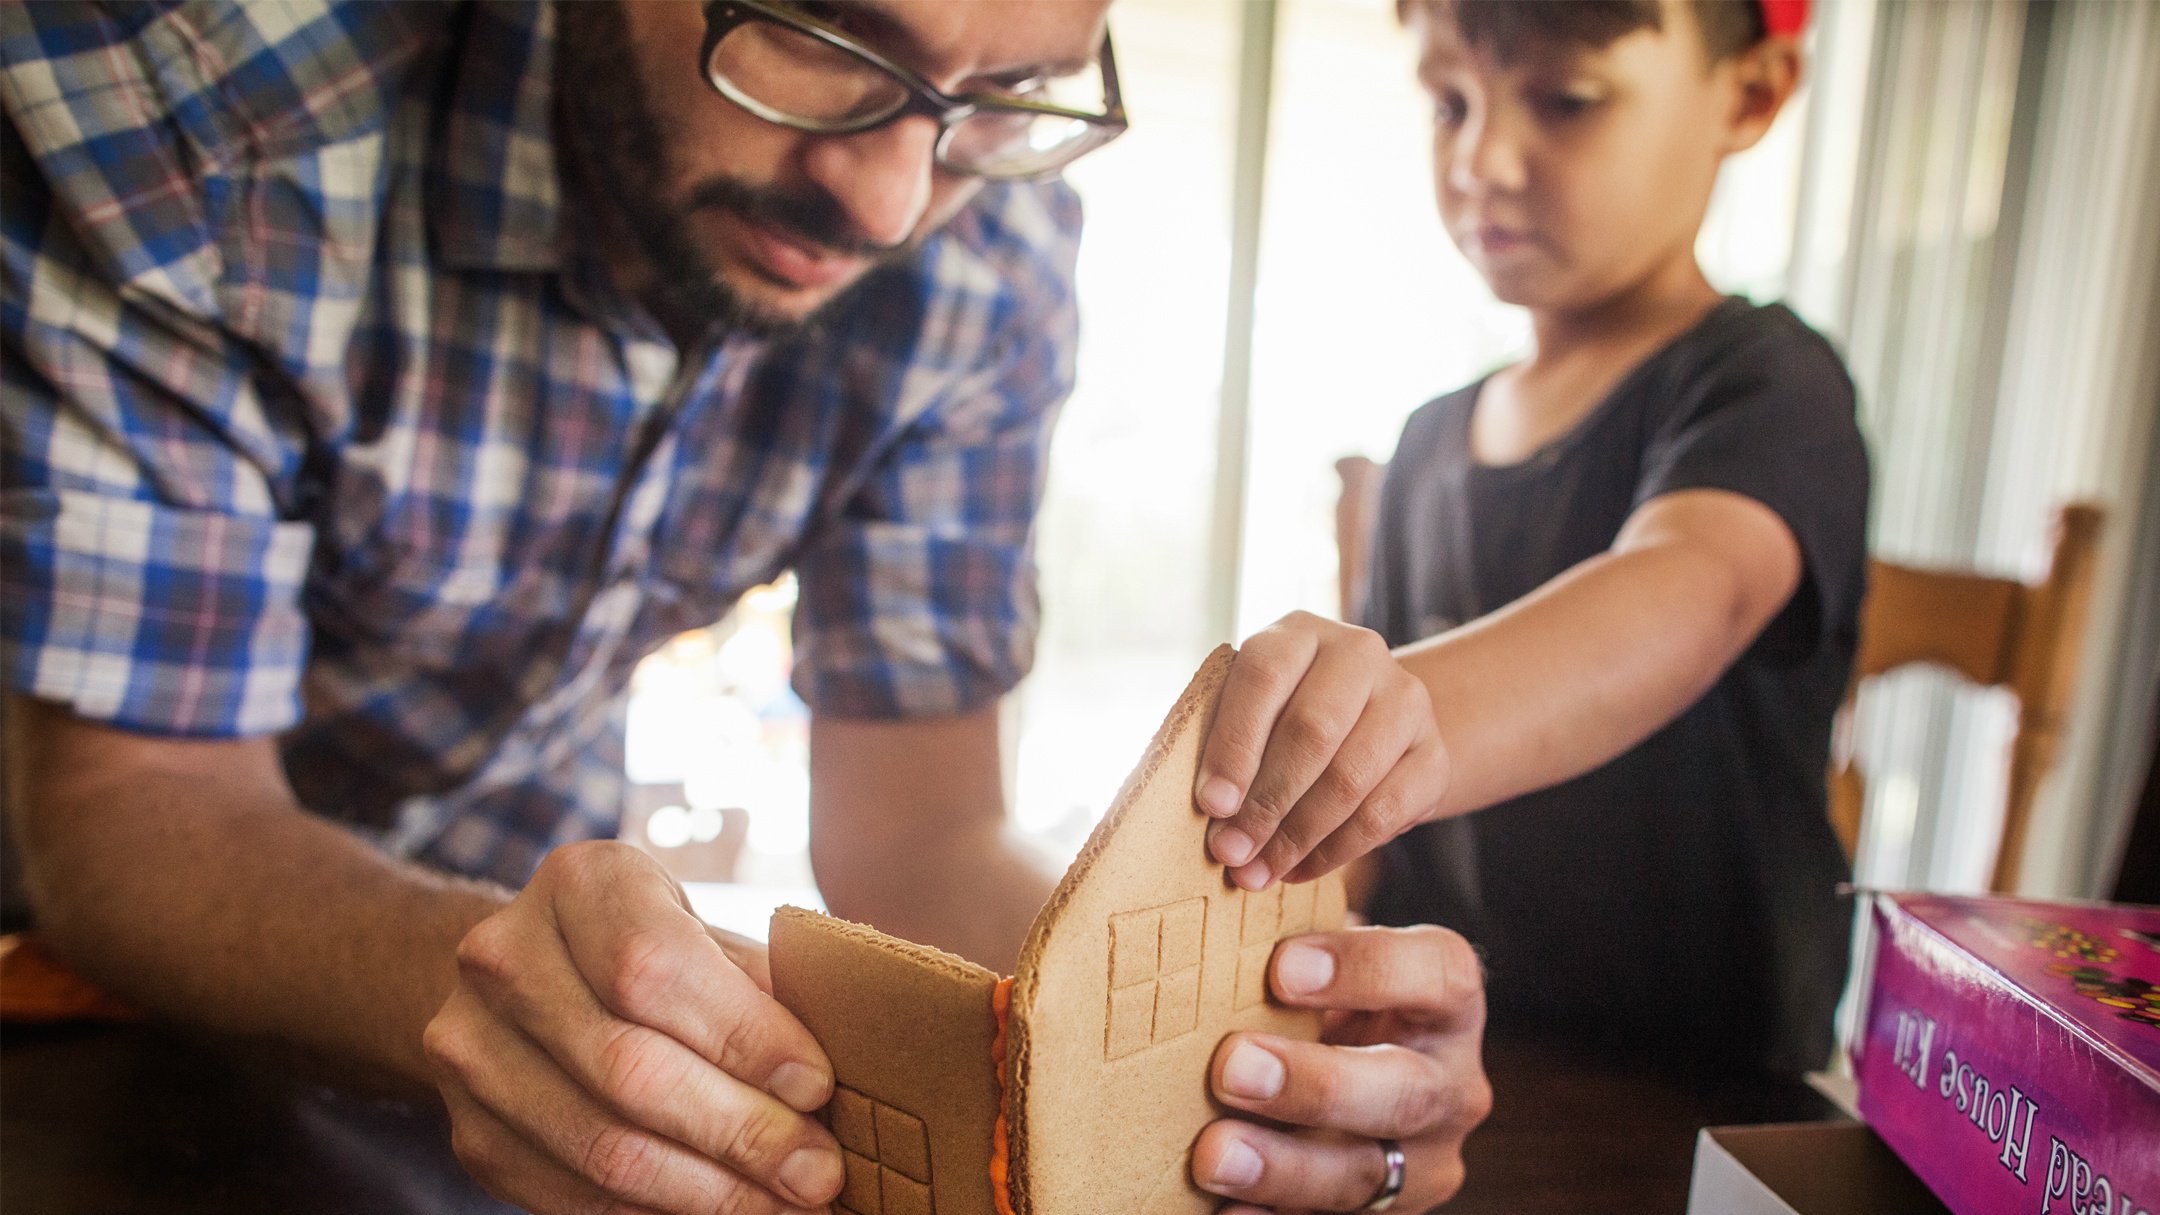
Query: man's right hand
pixel 601 1051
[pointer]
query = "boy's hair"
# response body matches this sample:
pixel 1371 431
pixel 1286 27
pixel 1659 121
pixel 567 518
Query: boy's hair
pixel 1508 28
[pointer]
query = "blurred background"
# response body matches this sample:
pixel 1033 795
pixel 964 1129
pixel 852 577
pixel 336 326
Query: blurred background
pixel 1960 197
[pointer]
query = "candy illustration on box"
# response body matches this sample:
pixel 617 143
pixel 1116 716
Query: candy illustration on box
pixel 2011 1052
pixel 1078 1085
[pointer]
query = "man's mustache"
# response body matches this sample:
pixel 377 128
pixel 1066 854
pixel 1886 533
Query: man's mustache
pixel 810 215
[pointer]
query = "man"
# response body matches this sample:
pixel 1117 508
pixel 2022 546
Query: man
pixel 383 381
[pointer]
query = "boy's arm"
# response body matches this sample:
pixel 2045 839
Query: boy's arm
pixel 591 1040
pixel 1326 746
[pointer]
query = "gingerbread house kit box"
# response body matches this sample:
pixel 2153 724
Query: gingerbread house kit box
pixel 2011 1051
pixel 1078 1085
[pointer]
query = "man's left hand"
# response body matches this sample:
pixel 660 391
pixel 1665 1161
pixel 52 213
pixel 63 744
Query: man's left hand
pixel 1399 1060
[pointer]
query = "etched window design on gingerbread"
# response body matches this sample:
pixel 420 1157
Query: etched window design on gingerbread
pixel 887 1154
pixel 1154 975
pixel 1265 917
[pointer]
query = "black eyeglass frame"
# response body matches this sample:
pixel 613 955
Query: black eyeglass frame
pixel 723 17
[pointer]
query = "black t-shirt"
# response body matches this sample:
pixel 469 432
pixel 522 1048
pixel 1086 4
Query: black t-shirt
pixel 1680 900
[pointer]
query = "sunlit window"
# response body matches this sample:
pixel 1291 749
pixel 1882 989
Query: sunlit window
pixel 1125 534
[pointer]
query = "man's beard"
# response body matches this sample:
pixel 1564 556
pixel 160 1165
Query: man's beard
pixel 617 138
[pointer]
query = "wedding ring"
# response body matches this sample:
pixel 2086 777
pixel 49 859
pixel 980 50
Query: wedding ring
pixel 1391 1185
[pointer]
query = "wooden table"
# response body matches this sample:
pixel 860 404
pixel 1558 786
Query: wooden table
pixel 1573 1132
pixel 100 1119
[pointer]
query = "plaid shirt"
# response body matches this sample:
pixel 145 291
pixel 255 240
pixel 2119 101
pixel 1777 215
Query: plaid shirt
pixel 317 424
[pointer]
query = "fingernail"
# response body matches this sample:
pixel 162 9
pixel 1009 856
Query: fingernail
pixel 802 1087
pixel 811 1176
pixel 1252 1073
pixel 1232 846
pixel 1239 1166
pixel 1304 969
pixel 1252 877
pixel 1218 797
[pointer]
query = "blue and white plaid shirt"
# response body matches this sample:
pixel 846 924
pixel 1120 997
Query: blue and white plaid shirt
pixel 318 425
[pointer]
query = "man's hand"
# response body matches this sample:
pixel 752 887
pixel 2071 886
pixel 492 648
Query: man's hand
pixel 1399 1060
pixel 1323 748
pixel 601 1051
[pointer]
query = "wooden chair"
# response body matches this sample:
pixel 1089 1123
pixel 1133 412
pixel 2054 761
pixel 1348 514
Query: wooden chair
pixel 1357 509
pixel 1995 632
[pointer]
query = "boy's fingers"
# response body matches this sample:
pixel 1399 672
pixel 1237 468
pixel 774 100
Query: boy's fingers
pixel 1262 677
pixel 1337 804
pixel 1390 808
pixel 1308 736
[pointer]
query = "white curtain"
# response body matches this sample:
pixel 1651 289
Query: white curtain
pixel 1980 234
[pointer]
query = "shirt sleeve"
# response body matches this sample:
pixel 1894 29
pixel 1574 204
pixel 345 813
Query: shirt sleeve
pixel 1772 419
pixel 150 564
pixel 919 596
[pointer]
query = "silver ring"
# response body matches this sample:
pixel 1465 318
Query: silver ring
pixel 1391 1185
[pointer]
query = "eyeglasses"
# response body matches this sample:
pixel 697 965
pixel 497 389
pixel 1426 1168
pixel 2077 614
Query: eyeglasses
pixel 789 68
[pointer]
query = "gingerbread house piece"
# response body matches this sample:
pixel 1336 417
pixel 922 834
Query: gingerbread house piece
pixel 1138 965
pixel 909 1031
pixel 1144 957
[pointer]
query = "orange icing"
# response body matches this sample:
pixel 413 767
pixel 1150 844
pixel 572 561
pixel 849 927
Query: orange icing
pixel 35 985
pixel 1000 1152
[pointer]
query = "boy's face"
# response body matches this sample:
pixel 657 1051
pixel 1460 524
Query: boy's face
pixel 1568 175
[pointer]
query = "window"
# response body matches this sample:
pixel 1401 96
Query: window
pixel 886 1153
pixel 1154 975
pixel 1125 533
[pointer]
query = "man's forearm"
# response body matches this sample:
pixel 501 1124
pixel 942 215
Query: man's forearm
pixel 907 833
pixel 279 925
pixel 971 892
pixel 219 903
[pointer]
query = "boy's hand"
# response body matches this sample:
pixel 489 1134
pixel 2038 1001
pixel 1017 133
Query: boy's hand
pixel 602 1050
pixel 1323 749
pixel 1399 1060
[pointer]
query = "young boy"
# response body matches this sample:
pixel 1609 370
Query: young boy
pixel 1623 574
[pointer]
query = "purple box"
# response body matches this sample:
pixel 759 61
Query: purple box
pixel 2011 1053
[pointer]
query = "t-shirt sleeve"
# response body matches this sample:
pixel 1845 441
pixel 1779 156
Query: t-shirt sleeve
pixel 150 572
pixel 1773 419
pixel 919 595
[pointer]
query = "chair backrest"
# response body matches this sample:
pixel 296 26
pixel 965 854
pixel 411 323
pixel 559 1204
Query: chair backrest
pixel 1357 509
pixel 1996 632
pixel 1993 632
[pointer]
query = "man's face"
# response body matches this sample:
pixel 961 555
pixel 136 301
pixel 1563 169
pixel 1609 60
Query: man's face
pixel 1568 174
pixel 746 220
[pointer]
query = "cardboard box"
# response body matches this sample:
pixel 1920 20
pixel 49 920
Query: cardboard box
pixel 1077 1086
pixel 2011 1051
pixel 1802 1168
